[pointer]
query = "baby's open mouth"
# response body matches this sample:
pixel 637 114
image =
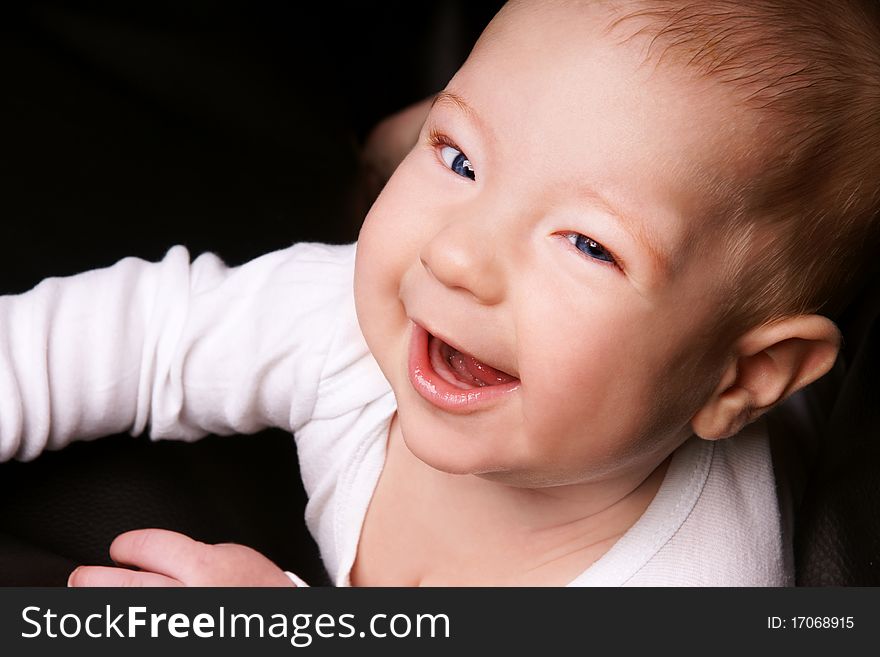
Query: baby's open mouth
pixel 454 380
pixel 461 369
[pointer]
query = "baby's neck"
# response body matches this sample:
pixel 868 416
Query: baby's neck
pixel 473 531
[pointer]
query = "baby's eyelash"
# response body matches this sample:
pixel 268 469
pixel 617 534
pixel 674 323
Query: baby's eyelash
pixel 459 162
pixel 573 238
pixel 437 138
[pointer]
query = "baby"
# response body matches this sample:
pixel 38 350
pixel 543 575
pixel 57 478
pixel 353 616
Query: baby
pixel 615 246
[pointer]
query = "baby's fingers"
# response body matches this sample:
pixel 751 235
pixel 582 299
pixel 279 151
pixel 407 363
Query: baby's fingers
pixel 106 576
pixel 161 551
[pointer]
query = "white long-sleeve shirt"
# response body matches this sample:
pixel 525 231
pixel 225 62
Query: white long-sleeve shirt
pixel 189 349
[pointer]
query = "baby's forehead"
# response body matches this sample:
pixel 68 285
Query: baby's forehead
pixel 556 36
pixel 667 67
pixel 550 83
pixel 755 52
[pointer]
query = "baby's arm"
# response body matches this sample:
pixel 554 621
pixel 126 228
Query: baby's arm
pixel 188 349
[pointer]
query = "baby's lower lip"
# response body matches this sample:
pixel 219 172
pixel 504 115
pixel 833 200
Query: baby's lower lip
pixel 448 389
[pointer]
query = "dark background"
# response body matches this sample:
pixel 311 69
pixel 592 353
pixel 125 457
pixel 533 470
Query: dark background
pixel 235 127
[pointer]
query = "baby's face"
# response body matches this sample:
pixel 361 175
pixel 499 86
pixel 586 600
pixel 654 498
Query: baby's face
pixel 536 280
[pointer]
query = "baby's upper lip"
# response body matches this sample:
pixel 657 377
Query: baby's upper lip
pixel 455 345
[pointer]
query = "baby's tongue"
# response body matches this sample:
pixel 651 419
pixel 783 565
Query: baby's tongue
pixel 468 369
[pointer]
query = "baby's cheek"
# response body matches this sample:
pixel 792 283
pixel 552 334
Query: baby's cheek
pixel 585 406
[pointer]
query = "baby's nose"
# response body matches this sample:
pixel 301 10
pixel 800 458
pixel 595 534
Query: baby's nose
pixel 458 258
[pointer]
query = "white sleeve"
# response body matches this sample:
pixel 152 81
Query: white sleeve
pixel 188 349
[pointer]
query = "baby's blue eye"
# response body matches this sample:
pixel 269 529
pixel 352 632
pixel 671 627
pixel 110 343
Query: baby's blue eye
pixel 457 161
pixel 589 247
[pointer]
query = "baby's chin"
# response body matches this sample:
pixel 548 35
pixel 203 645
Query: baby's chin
pixel 448 452
pixel 441 456
pixel 446 458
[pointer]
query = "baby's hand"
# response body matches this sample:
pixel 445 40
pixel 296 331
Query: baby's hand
pixel 167 558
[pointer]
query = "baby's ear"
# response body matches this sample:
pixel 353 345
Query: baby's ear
pixel 768 363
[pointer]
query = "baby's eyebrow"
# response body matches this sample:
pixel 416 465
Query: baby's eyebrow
pixel 641 231
pixel 646 237
pixel 447 97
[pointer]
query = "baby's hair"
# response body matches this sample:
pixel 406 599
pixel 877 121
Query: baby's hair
pixel 811 70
